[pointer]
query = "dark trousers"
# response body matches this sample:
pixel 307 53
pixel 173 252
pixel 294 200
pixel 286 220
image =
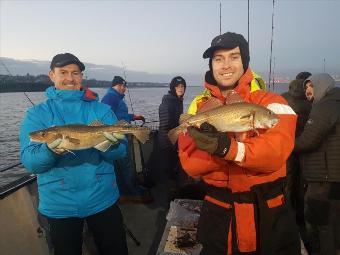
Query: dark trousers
pixel 322 211
pixel 106 227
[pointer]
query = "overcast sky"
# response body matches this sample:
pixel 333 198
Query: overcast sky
pixel 170 36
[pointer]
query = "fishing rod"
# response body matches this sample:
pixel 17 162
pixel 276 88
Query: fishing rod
pixel 271 46
pixel 8 71
pixel 10 167
pixel 124 72
pixel 273 80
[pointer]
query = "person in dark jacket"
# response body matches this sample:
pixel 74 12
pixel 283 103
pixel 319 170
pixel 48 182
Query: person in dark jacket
pixel 295 183
pixel 320 145
pixel 126 178
pixel 169 112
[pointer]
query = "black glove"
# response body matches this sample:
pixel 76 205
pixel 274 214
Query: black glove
pixel 208 139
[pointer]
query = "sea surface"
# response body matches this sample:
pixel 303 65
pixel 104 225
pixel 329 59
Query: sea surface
pixel 13 106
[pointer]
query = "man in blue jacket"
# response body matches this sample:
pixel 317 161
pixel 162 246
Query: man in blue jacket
pixel 79 186
pixel 126 178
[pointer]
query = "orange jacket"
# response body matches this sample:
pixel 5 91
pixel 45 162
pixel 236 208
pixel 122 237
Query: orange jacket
pixel 257 159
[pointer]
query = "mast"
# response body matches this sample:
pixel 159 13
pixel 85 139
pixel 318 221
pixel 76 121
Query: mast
pixel 220 18
pixel 248 22
pixel 271 47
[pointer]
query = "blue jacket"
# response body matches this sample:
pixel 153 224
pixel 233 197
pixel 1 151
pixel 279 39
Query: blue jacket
pixel 70 185
pixel 117 103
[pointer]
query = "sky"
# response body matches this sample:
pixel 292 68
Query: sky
pixel 171 36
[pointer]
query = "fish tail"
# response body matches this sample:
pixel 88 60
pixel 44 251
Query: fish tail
pixel 174 133
pixel 142 135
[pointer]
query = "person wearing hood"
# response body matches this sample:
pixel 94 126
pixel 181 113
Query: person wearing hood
pixel 128 186
pixel 295 183
pixel 169 112
pixel 244 211
pixel 320 145
pixel 80 186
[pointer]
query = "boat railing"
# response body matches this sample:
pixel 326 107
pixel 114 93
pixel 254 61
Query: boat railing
pixel 16 184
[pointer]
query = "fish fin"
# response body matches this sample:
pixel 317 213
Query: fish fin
pixel 184 117
pixel 73 140
pixel 211 103
pixel 70 152
pixel 103 146
pixel 122 123
pixel 142 135
pixel 96 123
pixel 248 116
pixel 174 133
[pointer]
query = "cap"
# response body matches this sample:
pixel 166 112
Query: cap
pixel 177 80
pixel 118 80
pixel 230 40
pixel 64 59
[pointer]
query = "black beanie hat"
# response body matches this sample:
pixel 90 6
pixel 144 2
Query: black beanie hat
pixel 230 40
pixel 174 82
pixel 118 80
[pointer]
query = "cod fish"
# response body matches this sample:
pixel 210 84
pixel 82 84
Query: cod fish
pixel 235 117
pixel 79 136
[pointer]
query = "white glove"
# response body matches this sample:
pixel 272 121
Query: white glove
pixel 53 146
pixel 113 137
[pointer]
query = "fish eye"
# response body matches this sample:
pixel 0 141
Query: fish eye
pixel 43 134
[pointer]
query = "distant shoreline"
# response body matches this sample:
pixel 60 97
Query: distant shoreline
pixel 41 87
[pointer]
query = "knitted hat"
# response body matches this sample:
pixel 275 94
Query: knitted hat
pixel 118 80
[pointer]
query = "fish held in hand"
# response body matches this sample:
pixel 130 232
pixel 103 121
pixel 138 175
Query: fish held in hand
pixel 79 136
pixel 236 117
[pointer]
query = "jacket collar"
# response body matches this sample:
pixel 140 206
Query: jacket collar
pixel 84 94
pixel 115 92
pixel 242 87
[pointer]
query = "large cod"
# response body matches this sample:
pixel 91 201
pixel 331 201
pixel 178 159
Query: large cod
pixel 79 137
pixel 235 117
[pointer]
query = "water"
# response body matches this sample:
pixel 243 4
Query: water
pixel 145 101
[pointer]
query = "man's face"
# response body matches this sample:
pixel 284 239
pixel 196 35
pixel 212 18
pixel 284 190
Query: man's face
pixel 68 77
pixel 180 90
pixel 227 67
pixel 120 88
pixel 309 91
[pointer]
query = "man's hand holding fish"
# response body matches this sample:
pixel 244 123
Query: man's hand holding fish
pixel 114 137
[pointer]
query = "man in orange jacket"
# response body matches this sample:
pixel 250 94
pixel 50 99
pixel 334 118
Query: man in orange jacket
pixel 244 211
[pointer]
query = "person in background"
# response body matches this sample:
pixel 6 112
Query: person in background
pixel 126 177
pixel 79 186
pixel 115 98
pixel 244 211
pixel 295 184
pixel 169 113
pixel 319 144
